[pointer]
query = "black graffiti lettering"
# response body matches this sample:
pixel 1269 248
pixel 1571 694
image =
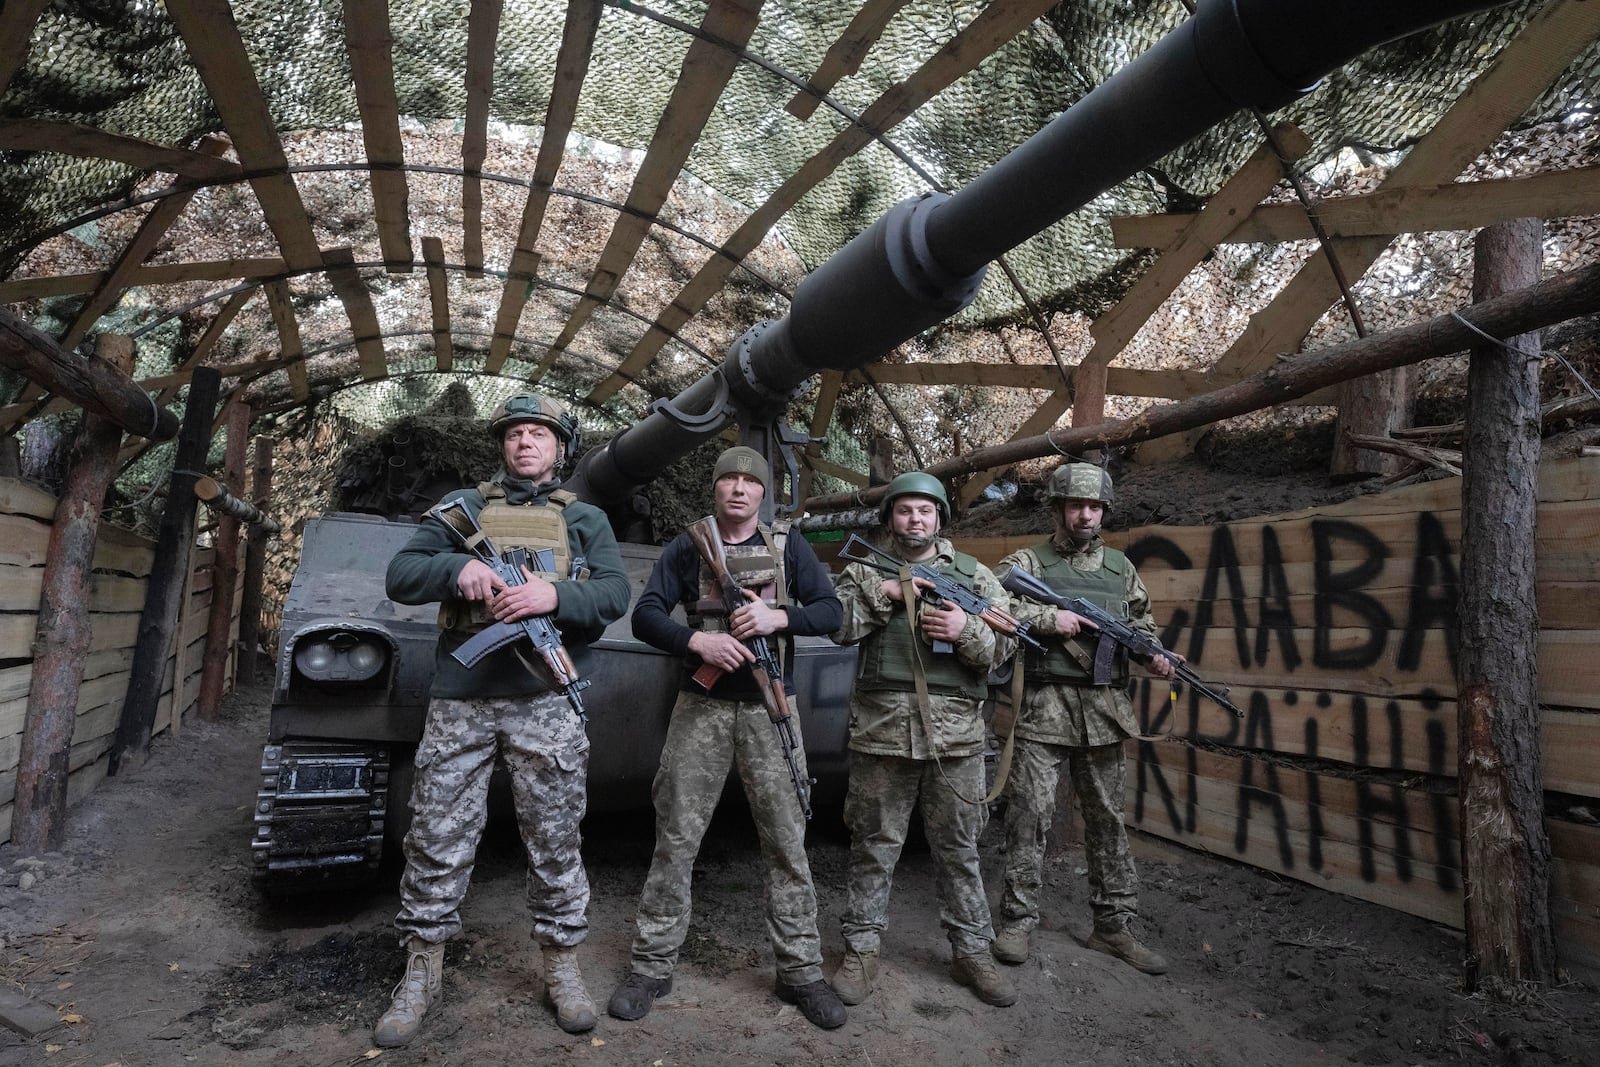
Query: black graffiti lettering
pixel 1168 552
pixel 1342 590
pixel 1446 846
pixel 1313 800
pixel 1152 776
pixel 1369 804
pixel 1259 735
pixel 1433 594
pixel 1273 606
pixel 1223 561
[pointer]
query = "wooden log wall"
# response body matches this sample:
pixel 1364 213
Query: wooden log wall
pixel 122 564
pixel 1337 630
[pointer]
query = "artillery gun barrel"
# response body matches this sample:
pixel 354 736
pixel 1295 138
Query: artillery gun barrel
pixel 925 259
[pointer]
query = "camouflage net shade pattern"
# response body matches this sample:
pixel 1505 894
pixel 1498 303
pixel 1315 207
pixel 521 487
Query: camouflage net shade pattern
pixel 122 67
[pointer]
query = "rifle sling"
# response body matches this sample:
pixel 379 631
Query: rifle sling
pixel 1004 770
pixel 908 591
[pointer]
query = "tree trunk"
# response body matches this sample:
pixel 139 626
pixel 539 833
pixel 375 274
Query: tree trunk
pixel 224 573
pixel 165 584
pixel 1505 851
pixel 61 642
pixel 1373 406
pixel 255 560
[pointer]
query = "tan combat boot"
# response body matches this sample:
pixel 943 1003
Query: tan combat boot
pixel 1123 945
pixel 1011 944
pixel 564 989
pixel 419 989
pixel 984 978
pixel 857 971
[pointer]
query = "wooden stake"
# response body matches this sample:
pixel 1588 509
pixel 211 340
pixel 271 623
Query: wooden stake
pixel 224 574
pixel 255 559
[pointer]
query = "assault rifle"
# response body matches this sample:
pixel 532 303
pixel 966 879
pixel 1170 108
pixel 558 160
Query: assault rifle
pixel 767 670
pixel 1113 632
pixel 539 629
pixel 945 590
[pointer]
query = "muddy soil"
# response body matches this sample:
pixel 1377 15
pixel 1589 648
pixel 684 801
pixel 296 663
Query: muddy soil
pixel 144 936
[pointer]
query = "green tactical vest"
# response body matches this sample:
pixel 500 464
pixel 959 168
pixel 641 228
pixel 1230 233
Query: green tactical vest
pixel 886 655
pixel 508 526
pixel 1104 587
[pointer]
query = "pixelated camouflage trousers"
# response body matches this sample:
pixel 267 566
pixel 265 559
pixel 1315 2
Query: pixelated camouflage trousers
pixel 705 739
pixel 546 754
pixel 877 808
pixel 1096 774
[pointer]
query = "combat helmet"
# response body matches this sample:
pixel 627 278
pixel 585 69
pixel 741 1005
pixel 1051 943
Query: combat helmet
pixel 916 483
pixel 1080 481
pixel 536 407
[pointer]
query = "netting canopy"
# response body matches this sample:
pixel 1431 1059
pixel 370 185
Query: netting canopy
pixel 327 191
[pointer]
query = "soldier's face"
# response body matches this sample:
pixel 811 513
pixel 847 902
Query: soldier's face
pixel 737 496
pixel 1080 519
pixel 914 522
pixel 530 450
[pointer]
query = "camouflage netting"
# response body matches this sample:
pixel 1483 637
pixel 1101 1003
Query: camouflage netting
pixel 120 66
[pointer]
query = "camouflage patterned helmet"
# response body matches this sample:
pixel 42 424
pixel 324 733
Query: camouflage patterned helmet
pixel 1079 481
pixel 916 483
pixel 535 407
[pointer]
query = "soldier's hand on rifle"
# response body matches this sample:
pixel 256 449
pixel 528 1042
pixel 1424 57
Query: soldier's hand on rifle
pixel 757 618
pixel 943 622
pixel 891 587
pixel 721 650
pixel 1162 667
pixel 478 581
pixel 534 597
pixel 1070 624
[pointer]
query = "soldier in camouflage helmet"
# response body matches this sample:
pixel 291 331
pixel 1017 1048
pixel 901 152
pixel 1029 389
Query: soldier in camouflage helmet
pixel 1065 719
pixel 917 735
pixel 505 706
pixel 788 591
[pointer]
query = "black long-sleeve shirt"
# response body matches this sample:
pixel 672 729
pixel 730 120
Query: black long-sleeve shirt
pixel 813 609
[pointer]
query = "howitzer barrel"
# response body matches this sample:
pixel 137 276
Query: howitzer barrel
pixel 925 259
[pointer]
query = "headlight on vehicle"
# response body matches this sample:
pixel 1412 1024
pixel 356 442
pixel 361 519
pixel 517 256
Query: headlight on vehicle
pixel 341 656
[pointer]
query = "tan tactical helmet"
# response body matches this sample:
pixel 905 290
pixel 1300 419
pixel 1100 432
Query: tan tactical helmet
pixel 1080 481
pixel 742 460
pixel 535 407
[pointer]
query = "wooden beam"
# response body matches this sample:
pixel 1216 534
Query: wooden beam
pixel 92 384
pixel 572 63
pixel 17 19
pixel 290 347
pixel 74 139
pixel 1418 209
pixel 221 270
pixel 439 297
pixel 844 474
pixel 483 28
pixel 218 655
pixel 821 416
pixel 993 27
pixel 119 278
pixel 255 558
pixel 371 44
pixel 346 282
pixel 1124 381
pixel 844 56
pixel 706 69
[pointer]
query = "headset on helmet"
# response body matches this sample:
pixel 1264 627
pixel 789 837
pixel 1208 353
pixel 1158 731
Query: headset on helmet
pixel 916 483
pixel 1079 481
pixel 536 407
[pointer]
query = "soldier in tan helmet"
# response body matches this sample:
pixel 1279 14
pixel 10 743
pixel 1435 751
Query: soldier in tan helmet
pixel 1067 720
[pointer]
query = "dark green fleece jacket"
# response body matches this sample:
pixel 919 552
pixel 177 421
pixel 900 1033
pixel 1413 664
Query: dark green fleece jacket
pixel 426 569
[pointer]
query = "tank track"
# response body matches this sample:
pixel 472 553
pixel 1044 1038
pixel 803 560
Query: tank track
pixel 319 814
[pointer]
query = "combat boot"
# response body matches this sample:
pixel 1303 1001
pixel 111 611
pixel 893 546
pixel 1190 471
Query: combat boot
pixel 984 978
pixel 1011 944
pixel 563 988
pixel 1123 945
pixel 857 971
pixel 419 989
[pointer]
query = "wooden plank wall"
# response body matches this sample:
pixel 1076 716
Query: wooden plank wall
pixel 1336 629
pixel 121 566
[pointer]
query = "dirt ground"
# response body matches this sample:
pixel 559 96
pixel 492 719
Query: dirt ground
pixel 144 935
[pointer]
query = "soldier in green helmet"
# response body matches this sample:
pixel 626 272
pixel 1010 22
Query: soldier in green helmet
pixel 917 735
pixel 1066 719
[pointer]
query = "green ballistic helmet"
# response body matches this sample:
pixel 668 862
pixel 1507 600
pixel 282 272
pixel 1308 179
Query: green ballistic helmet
pixel 535 407
pixel 1080 481
pixel 916 483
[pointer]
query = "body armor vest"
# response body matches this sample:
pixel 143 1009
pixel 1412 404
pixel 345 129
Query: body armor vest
pixel 1104 587
pixel 758 568
pixel 887 655
pixel 508 526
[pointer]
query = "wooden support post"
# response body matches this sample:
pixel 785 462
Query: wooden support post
pixel 1505 850
pixel 224 573
pixel 880 461
pixel 61 642
pixel 255 560
pixel 1374 406
pixel 165 583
